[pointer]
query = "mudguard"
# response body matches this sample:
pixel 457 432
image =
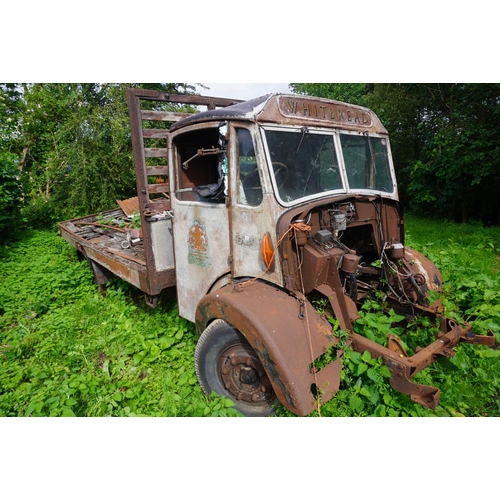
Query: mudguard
pixel 420 265
pixel 286 333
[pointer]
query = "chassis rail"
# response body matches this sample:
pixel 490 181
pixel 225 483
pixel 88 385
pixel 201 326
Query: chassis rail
pixel 404 367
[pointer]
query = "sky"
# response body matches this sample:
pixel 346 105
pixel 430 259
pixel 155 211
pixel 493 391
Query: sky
pixel 242 91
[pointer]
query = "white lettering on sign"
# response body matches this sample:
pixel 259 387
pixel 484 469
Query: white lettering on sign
pixel 337 113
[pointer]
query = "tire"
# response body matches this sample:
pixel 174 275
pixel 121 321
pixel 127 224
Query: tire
pixel 226 363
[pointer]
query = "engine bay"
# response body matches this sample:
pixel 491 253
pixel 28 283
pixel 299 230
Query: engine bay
pixel 357 246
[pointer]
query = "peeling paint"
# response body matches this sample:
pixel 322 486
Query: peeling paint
pixel 198 245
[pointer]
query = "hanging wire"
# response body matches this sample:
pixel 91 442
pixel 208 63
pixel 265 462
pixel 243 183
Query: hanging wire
pixel 300 226
pixel 386 261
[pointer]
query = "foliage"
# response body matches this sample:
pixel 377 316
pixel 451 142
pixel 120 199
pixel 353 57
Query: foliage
pixel 456 171
pixel 64 350
pixel 469 258
pixel 11 106
pixel 73 145
pixel 67 350
pixel 10 186
pixel 353 93
pixel 10 196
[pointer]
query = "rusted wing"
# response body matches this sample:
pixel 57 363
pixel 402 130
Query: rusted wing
pixel 288 336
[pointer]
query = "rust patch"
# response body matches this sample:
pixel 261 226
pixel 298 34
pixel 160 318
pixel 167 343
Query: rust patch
pixel 273 372
pixel 129 206
pixel 285 345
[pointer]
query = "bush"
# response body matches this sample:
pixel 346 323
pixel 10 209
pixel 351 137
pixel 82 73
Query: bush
pixel 10 196
pixel 39 213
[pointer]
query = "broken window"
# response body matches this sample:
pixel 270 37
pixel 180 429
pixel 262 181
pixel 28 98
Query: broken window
pixel 202 165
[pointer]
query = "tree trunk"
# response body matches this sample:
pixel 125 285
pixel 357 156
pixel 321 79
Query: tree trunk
pixel 23 159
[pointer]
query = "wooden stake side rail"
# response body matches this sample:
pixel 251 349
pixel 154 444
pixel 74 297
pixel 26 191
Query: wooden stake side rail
pixel 153 188
pixel 103 238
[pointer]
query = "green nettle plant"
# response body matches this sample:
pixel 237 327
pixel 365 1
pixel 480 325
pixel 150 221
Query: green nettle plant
pixel 66 350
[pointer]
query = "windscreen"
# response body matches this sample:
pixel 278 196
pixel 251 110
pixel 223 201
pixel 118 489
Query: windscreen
pixel 366 162
pixel 306 163
pixel 303 163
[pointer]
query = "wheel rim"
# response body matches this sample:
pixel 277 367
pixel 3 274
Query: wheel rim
pixel 244 376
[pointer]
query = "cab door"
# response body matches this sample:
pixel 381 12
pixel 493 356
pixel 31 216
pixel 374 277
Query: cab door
pixel 254 211
pixel 200 222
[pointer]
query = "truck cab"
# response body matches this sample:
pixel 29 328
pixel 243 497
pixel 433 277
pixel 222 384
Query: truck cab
pixel 242 175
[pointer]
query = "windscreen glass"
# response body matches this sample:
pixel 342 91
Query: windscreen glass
pixel 367 162
pixel 303 163
pixel 306 163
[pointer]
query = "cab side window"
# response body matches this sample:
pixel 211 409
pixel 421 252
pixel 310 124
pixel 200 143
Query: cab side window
pixel 201 157
pixel 250 189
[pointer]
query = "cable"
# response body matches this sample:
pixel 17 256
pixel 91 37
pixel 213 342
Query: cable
pixel 301 226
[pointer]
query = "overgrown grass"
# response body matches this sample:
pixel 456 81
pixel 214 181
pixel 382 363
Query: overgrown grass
pixel 67 350
pixel 468 256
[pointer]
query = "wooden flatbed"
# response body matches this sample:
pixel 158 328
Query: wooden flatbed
pixel 112 248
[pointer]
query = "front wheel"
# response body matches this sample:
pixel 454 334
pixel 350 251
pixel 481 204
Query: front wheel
pixel 226 363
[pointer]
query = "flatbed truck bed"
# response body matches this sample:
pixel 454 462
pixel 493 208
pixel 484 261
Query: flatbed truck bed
pixel 113 248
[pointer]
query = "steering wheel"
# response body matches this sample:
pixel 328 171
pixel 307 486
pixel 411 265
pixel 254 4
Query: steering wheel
pixel 283 169
pixel 251 180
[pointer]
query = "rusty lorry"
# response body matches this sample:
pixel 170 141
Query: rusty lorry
pixel 255 211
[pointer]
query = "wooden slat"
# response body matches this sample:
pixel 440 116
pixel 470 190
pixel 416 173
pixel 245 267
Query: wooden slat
pixel 158 206
pixel 156 152
pixel 158 188
pixel 154 133
pixel 163 116
pixel 157 170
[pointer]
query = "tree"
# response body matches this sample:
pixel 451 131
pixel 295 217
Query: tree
pixel 453 172
pixel 77 144
pixel 10 196
pixel 10 187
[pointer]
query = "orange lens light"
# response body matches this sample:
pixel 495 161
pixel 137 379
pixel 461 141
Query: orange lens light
pixel 267 252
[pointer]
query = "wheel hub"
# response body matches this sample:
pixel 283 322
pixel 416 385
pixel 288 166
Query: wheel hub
pixel 244 376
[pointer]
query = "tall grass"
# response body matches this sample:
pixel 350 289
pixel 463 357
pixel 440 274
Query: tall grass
pixel 468 256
